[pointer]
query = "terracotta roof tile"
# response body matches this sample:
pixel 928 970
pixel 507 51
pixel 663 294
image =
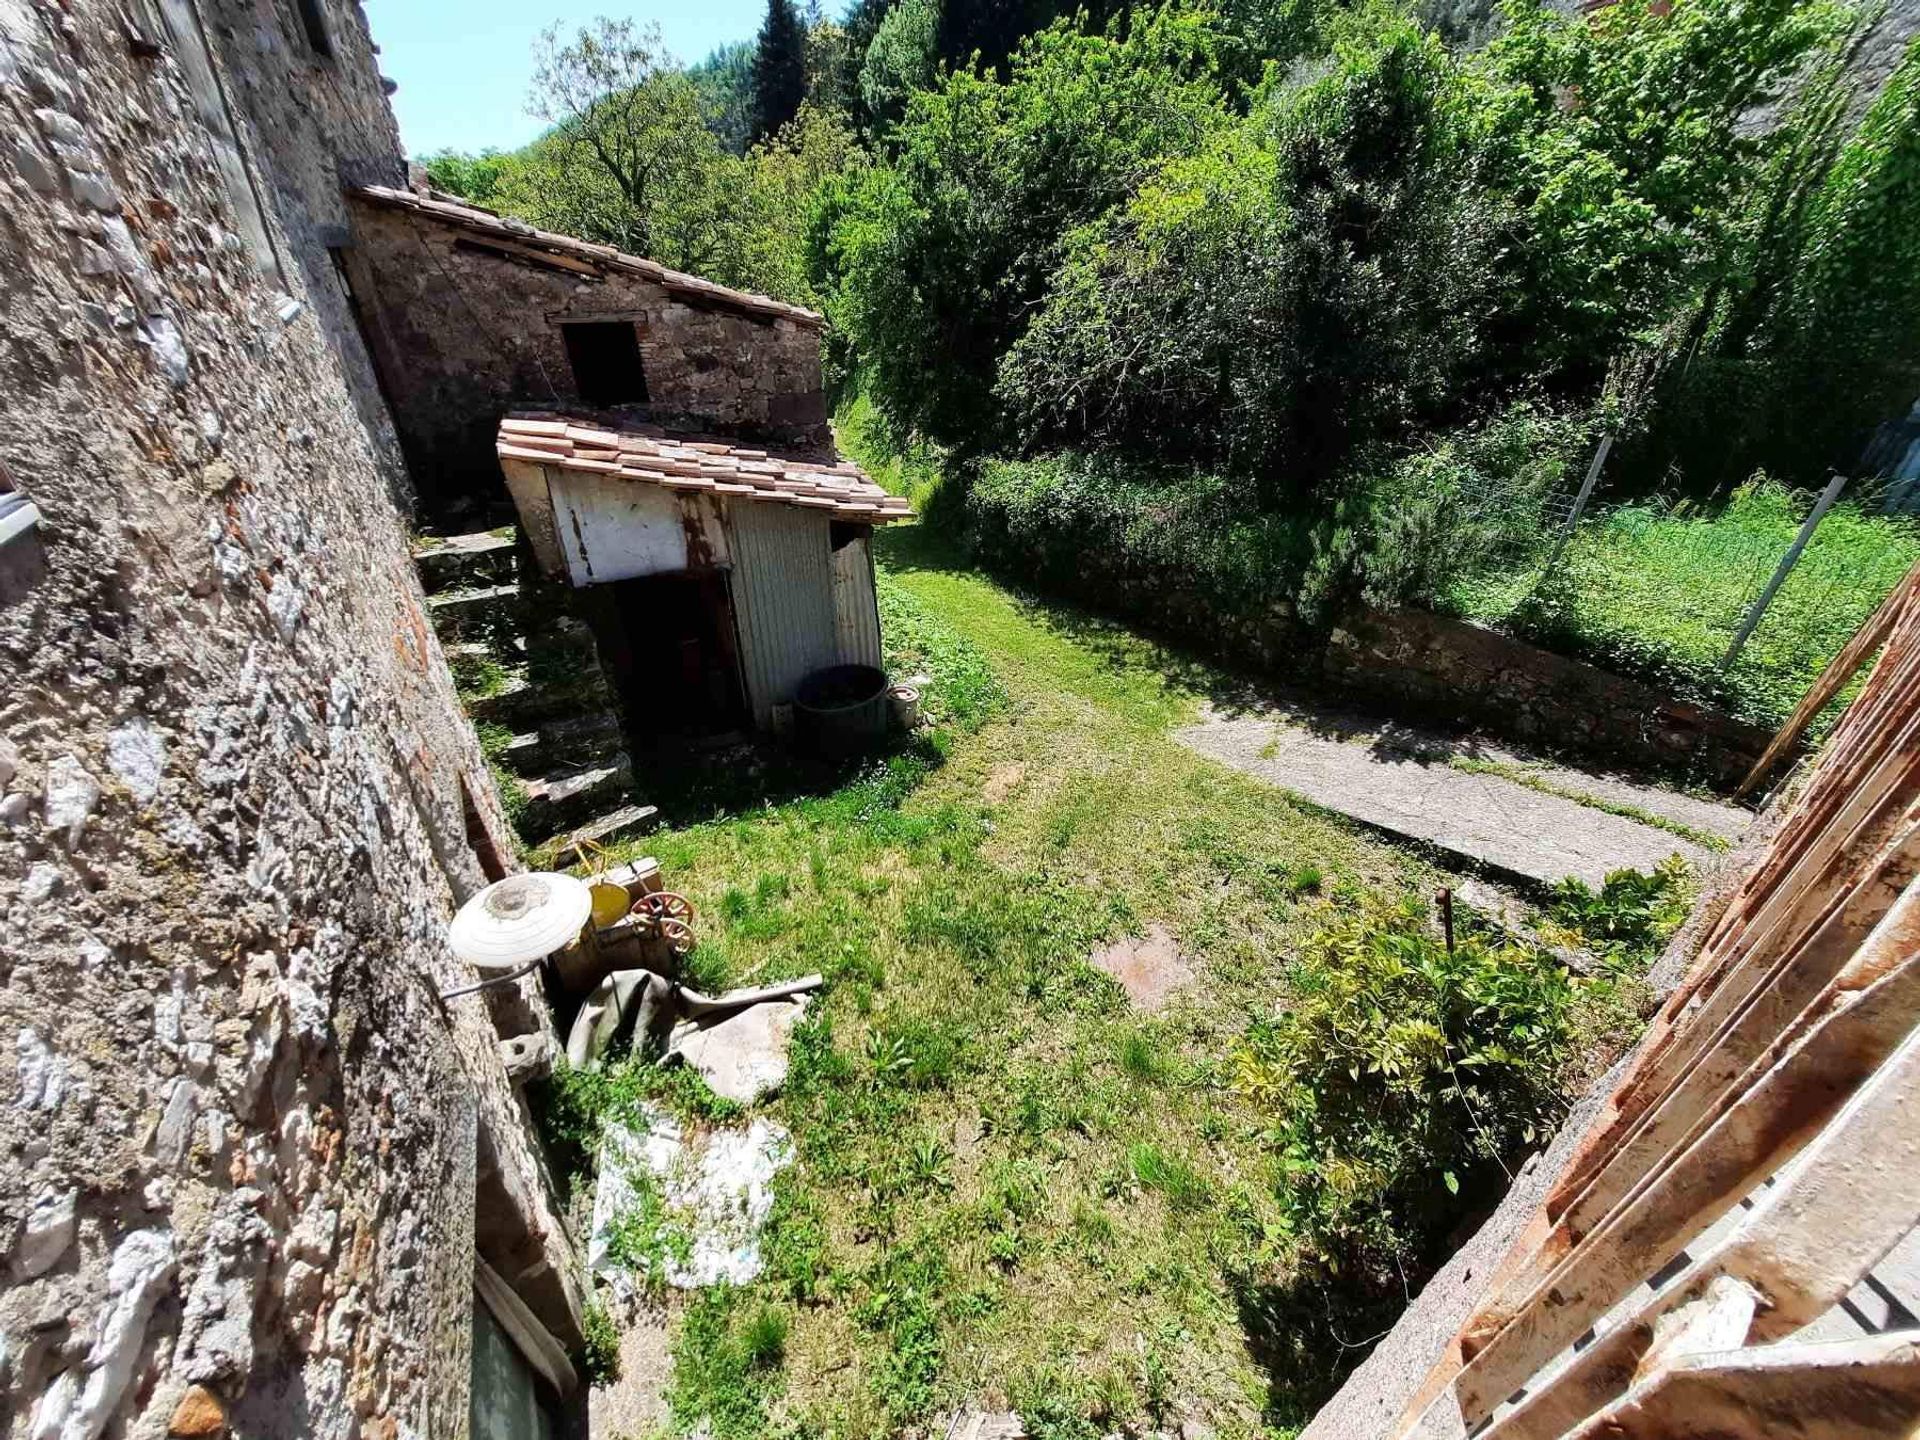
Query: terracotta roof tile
pixel 649 455
pixel 449 211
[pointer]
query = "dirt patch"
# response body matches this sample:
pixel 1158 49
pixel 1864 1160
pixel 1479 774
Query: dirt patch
pixel 1003 780
pixel 1150 970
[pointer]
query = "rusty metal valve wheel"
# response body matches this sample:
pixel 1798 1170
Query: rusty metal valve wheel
pixel 677 933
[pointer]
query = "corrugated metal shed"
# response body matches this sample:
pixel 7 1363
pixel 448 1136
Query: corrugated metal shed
pixel 783 600
pixel 856 615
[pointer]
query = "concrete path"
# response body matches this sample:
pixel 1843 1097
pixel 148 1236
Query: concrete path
pixel 1410 782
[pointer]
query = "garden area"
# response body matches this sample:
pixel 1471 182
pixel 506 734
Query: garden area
pixel 1011 1188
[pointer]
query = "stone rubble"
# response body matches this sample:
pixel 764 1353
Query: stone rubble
pixel 717 1187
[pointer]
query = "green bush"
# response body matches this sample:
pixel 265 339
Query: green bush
pixel 1307 283
pixel 1098 526
pixel 1458 505
pixel 934 262
pixel 1400 1073
pixel 1629 917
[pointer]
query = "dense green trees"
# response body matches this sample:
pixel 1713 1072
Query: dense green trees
pixel 779 69
pixel 1383 285
pixel 935 262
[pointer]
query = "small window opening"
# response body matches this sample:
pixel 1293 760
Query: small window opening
pixel 843 533
pixel 605 356
pixel 314 22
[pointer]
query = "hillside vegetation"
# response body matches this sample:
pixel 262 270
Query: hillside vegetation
pixel 1344 305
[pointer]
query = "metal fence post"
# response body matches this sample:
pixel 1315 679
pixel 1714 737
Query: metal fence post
pixel 1579 504
pixel 1787 562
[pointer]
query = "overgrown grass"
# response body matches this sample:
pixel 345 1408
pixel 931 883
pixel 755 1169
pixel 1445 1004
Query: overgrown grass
pixel 1009 1187
pixel 1657 591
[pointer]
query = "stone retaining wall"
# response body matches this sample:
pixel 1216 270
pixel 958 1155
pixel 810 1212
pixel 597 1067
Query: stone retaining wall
pixel 1452 672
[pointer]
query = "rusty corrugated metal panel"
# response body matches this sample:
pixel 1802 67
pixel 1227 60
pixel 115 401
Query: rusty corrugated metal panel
pixel 856 612
pixel 783 598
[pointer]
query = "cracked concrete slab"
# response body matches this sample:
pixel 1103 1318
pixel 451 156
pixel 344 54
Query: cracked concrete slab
pixel 1401 781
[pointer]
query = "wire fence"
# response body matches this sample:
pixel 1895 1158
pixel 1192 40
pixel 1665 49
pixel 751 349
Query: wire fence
pixel 1738 605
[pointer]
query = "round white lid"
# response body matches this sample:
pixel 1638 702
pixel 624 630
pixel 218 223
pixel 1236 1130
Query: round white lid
pixel 518 919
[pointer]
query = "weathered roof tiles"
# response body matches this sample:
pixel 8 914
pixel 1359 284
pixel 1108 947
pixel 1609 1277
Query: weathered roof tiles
pixel 582 255
pixel 648 454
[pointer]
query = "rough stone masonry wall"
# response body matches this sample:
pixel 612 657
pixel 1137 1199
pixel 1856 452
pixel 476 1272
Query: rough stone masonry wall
pixel 463 336
pixel 1454 672
pixel 238 1129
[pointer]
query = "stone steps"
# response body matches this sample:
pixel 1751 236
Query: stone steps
pixel 466 562
pixel 572 797
pixel 610 828
pixel 521 705
pixel 490 610
pixel 566 748
pixel 572 740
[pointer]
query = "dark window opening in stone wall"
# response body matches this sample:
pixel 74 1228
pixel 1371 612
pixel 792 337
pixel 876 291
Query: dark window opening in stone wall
pixel 314 23
pixel 605 356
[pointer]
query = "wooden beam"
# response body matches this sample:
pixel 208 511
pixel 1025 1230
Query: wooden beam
pixel 1867 639
pixel 1756 1135
pixel 1827 1220
pixel 1839 1390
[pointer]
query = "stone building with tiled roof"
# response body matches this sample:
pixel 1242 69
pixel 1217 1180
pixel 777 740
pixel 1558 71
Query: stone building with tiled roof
pixel 664 450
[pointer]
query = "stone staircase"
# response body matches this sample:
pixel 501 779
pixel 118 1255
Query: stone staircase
pixel 531 683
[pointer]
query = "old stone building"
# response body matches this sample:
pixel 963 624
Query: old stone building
pixel 261 1176
pixel 661 442
pixel 468 314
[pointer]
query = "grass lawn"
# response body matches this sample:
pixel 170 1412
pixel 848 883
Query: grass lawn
pixel 1011 1189
pixel 1658 592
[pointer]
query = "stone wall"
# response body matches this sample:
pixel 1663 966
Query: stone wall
pixel 464 335
pixel 242 1142
pixel 1451 672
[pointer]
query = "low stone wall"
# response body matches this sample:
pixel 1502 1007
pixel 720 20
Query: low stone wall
pixel 1451 672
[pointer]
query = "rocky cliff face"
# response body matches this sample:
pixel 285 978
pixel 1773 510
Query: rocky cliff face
pixel 242 1141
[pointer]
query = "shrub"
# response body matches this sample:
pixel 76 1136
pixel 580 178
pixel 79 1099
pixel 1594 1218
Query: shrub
pixel 1632 914
pixel 1100 527
pixel 1305 283
pixel 934 263
pixel 1399 1070
pixel 1458 504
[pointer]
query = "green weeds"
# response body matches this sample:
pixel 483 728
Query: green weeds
pixel 1656 591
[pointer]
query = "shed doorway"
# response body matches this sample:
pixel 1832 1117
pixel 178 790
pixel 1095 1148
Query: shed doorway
pixel 671 649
